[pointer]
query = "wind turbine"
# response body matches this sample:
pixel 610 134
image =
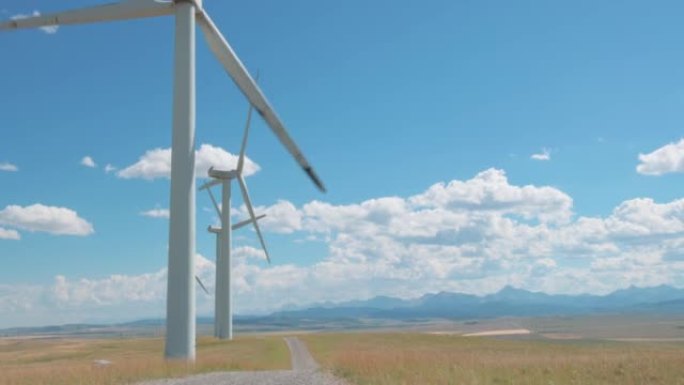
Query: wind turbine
pixel 223 314
pixel 223 300
pixel 180 301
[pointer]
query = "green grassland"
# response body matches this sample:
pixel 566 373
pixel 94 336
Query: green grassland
pixel 72 361
pixel 420 358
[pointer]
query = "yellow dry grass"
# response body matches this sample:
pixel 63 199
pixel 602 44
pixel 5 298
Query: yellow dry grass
pixel 72 361
pixel 413 358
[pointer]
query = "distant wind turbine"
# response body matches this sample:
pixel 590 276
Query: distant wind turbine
pixel 223 299
pixel 223 314
pixel 223 310
pixel 180 308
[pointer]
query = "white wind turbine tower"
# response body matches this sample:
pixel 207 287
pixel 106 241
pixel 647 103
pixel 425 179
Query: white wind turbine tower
pixel 223 313
pixel 180 302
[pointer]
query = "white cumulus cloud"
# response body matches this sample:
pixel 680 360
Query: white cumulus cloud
pixel 474 236
pixel 88 161
pixel 490 191
pixel 156 163
pixel 544 155
pixel 156 213
pixel 6 166
pixel 665 160
pixel 109 168
pixel 49 219
pixel 9 234
pixel 282 217
pixel 117 297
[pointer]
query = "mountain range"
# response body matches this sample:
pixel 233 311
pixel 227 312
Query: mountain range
pixel 383 310
pixel 509 301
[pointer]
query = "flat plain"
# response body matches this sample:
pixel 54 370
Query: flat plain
pixel 61 361
pixel 601 349
pixel 428 358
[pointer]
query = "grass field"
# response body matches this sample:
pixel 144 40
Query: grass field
pixel 417 358
pixel 72 361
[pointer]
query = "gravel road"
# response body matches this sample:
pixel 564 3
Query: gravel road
pixel 301 358
pixel 305 371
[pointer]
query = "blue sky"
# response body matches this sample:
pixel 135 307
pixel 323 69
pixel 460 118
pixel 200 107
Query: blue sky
pixel 386 99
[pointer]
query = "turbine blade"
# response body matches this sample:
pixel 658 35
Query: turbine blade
pixel 213 201
pixel 201 285
pixel 243 147
pixel 241 159
pixel 236 70
pixel 129 9
pixel 210 184
pixel 253 219
pixel 244 223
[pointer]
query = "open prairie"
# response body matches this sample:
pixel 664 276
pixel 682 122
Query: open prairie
pixel 600 349
pixel 424 358
pixel 122 361
pixel 625 327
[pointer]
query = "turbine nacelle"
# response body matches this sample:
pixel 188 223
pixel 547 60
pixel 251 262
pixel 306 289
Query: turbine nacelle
pixel 221 174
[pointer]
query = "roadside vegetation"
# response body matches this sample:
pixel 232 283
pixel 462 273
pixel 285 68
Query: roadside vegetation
pixel 125 361
pixel 414 358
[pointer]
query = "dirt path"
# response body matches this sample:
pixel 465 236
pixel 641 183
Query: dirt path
pixel 304 371
pixel 301 358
